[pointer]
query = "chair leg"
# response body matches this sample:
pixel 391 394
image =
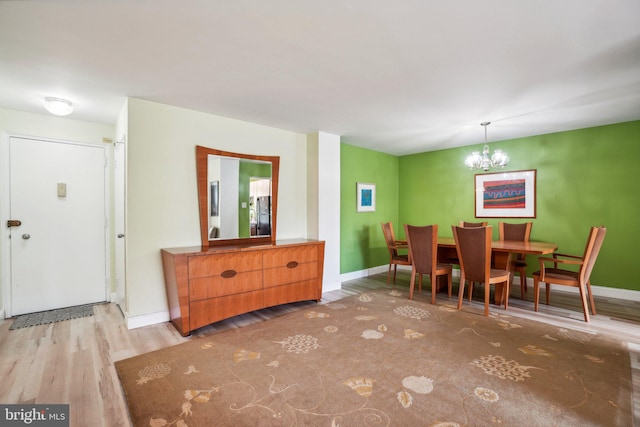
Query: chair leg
pixel 583 298
pixel 470 290
pixel 449 283
pixel 461 291
pixel 412 283
pixel 487 295
pixel 395 270
pixel 593 304
pixel 536 292
pixel 548 289
pixel 505 292
pixel 420 283
pixel 523 282
pixel 434 280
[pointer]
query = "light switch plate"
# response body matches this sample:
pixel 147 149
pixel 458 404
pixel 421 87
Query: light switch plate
pixel 62 189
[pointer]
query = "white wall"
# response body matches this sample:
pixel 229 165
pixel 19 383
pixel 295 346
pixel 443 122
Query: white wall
pixel 45 126
pixel 53 127
pixel 323 204
pixel 161 199
pixel 162 203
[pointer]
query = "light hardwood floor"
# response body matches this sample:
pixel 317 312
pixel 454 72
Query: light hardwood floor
pixel 73 361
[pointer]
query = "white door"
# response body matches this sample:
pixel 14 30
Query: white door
pixel 57 192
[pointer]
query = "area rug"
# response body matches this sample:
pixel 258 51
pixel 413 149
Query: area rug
pixel 51 316
pixel 380 359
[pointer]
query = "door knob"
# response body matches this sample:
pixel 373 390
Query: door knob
pixel 26 236
pixel 120 236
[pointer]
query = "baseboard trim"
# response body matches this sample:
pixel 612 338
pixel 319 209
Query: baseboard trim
pixel 601 291
pixel 363 273
pixel 328 287
pixel 2 314
pixel 147 319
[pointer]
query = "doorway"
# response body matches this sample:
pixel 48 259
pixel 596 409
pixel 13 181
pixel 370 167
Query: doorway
pixel 57 202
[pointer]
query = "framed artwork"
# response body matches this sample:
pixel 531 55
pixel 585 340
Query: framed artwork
pixel 214 197
pixel 506 194
pixel 365 197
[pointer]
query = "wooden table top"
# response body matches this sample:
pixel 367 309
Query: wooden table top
pixel 531 247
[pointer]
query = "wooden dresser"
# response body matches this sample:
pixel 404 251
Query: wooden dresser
pixel 205 286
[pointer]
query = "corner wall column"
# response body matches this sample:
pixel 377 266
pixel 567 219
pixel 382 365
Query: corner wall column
pixel 323 201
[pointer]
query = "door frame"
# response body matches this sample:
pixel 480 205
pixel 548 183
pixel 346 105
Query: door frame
pixel 5 202
pixel 119 295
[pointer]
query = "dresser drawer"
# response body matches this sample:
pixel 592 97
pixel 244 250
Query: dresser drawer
pixel 216 286
pixel 300 291
pixel 212 310
pixel 216 265
pixel 293 273
pixel 282 257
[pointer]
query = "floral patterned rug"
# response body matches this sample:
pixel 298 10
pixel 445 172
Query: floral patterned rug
pixel 379 359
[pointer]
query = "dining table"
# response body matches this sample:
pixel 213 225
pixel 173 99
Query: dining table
pixel 503 254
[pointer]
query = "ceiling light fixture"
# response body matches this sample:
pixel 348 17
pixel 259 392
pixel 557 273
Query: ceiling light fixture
pixel 58 106
pixel 477 161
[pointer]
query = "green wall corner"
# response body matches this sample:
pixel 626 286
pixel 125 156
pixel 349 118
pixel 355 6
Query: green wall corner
pixel 361 242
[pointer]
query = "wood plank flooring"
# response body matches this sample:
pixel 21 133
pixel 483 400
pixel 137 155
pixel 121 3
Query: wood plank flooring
pixel 73 361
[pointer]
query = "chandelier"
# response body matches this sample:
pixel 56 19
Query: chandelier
pixel 484 162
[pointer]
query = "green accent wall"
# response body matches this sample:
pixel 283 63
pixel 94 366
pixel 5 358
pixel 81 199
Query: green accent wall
pixel 585 177
pixel 361 241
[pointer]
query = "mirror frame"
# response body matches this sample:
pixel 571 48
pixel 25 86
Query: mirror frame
pixel 202 171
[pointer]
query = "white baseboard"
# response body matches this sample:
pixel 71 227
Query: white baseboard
pixel 601 291
pixel 2 314
pixel 364 273
pixel 328 287
pixel 147 319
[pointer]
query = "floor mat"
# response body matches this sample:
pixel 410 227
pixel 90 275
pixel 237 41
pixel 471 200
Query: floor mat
pixel 51 316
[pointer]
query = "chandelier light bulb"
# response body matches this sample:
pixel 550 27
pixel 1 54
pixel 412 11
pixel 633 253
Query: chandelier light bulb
pixel 485 162
pixel 58 106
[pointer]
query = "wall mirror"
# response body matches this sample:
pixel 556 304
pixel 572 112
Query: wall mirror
pixel 237 197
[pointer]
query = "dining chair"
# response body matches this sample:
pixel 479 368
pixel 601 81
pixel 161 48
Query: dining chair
pixel 520 233
pixel 579 278
pixel 455 260
pixel 473 224
pixel 395 258
pixel 473 245
pixel 423 250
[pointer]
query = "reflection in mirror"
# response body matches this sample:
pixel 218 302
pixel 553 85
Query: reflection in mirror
pixel 239 207
pixel 237 194
pixel 260 205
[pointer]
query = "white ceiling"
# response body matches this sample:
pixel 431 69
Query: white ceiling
pixel 399 77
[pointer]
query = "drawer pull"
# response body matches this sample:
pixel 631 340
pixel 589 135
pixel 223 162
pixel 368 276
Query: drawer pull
pixel 228 274
pixel 292 264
